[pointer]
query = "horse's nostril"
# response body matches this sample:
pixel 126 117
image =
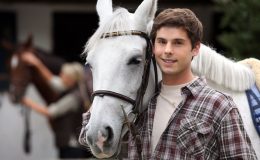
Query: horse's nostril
pixel 103 138
pixel 110 134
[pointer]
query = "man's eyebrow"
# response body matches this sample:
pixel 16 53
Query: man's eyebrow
pixel 160 38
pixel 179 39
pixel 175 39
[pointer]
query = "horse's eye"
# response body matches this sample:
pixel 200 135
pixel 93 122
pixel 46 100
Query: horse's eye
pixel 134 61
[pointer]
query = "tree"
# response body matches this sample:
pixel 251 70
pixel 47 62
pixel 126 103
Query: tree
pixel 241 25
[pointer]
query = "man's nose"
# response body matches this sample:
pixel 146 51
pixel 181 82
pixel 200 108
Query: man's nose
pixel 168 48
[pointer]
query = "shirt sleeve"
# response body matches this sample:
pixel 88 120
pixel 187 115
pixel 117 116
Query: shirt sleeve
pixel 56 84
pixel 66 104
pixel 234 141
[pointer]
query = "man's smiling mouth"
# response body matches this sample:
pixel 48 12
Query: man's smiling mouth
pixel 169 60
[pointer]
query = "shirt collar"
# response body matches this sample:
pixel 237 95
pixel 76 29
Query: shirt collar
pixel 195 87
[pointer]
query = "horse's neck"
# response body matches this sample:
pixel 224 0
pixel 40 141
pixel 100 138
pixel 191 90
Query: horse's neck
pixel 44 88
pixel 54 65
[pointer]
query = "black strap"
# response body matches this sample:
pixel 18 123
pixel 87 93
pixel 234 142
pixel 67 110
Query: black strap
pixel 27 131
pixel 102 93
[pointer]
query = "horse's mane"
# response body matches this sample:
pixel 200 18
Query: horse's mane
pixel 119 21
pixel 222 70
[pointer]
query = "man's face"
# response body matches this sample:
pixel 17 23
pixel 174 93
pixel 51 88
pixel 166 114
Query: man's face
pixel 173 52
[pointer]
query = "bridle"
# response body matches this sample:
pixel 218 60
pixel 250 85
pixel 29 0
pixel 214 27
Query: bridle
pixel 138 102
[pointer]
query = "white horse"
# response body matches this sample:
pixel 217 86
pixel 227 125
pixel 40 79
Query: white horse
pixel 117 65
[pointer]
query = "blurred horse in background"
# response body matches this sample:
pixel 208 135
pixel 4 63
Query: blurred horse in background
pixel 22 74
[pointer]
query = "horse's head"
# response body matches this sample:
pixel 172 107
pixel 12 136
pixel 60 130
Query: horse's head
pixel 20 73
pixel 117 58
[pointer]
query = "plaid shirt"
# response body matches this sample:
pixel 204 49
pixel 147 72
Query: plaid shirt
pixel 206 125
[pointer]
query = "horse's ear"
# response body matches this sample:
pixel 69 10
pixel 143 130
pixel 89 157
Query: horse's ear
pixel 145 13
pixel 104 10
pixel 149 27
pixel 29 41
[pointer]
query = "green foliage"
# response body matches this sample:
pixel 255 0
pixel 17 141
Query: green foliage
pixel 241 25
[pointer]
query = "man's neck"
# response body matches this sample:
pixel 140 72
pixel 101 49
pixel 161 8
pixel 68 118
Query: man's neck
pixel 177 80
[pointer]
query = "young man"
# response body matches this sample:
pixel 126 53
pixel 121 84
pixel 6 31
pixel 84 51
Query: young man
pixel 187 119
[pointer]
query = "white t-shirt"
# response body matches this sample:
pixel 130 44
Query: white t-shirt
pixel 169 98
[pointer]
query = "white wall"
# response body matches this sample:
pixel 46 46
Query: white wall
pixel 36 19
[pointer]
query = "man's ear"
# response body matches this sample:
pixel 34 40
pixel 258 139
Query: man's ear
pixel 196 49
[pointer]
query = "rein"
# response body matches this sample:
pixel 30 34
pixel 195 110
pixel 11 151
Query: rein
pixel 138 102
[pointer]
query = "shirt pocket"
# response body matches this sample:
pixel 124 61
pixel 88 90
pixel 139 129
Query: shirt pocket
pixel 193 136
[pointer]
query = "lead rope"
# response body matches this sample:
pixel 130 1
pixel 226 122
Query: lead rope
pixel 135 134
pixel 156 90
pixel 27 131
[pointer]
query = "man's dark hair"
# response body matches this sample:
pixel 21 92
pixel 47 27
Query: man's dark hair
pixel 183 18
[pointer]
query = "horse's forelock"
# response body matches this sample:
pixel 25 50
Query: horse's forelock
pixel 119 21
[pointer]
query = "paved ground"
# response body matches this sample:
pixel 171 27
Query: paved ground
pixel 12 132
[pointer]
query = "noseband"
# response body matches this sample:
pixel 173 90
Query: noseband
pixel 137 103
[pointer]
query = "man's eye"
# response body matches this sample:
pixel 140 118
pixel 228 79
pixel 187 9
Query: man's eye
pixel 177 43
pixel 161 42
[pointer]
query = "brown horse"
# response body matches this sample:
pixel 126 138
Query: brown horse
pixel 23 74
